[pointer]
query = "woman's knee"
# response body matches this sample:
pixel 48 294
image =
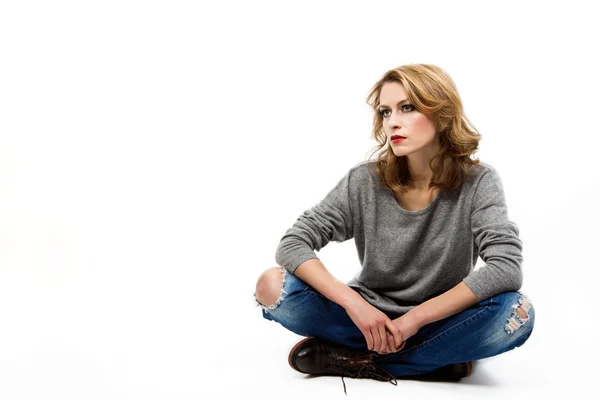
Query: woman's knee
pixel 514 325
pixel 522 314
pixel 269 285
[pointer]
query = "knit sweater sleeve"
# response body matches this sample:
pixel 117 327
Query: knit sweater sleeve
pixel 497 239
pixel 329 220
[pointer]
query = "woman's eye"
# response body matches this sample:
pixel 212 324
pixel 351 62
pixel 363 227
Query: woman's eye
pixel 404 107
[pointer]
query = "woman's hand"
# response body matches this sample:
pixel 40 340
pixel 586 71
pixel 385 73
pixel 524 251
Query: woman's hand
pixel 381 334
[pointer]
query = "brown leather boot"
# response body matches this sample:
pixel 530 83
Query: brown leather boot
pixel 316 357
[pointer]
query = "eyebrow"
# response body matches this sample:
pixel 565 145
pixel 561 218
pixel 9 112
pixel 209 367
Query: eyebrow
pixel 400 102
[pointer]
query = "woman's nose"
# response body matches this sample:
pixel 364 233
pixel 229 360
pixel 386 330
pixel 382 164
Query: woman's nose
pixel 394 121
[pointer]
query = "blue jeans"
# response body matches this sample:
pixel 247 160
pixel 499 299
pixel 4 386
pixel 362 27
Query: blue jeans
pixel 485 329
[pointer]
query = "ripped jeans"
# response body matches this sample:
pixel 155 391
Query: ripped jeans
pixel 491 327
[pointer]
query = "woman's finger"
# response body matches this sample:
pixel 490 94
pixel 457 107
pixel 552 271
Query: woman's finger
pixel 368 337
pixel 376 339
pixel 393 329
pixel 391 343
pixel 383 345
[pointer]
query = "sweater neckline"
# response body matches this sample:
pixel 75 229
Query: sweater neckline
pixel 416 212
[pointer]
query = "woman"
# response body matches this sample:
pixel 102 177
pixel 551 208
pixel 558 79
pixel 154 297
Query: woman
pixel 420 215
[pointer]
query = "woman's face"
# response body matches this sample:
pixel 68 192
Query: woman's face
pixel 401 118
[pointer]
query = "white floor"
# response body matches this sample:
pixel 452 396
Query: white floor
pixel 246 356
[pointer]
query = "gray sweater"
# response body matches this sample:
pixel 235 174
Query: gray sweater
pixel 408 257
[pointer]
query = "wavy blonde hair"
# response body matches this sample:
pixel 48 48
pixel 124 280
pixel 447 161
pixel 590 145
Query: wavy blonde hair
pixel 432 92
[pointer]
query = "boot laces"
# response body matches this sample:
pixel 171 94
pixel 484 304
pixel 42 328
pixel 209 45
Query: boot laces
pixel 358 365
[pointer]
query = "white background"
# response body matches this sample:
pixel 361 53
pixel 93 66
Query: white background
pixel 153 153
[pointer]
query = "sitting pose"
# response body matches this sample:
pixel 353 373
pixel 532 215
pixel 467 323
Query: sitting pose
pixel 420 214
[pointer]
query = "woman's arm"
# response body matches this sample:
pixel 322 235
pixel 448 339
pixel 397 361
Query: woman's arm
pixel 497 238
pixel 314 273
pixel 455 300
